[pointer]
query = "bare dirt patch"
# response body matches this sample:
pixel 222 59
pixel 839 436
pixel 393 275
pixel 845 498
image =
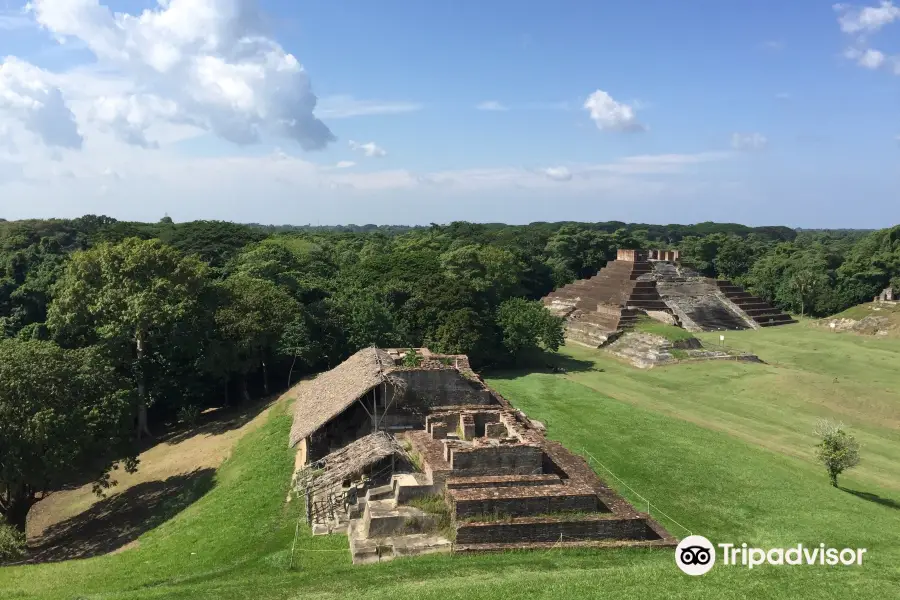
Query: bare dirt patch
pixel 174 472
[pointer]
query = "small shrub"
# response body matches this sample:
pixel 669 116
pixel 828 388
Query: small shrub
pixel 411 358
pixel 838 450
pixel 189 415
pixel 12 542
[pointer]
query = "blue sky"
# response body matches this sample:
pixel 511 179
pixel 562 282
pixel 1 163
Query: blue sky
pixel 759 112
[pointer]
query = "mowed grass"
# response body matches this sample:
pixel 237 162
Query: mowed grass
pixel 670 332
pixel 679 435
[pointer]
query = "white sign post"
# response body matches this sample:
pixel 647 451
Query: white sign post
pixel 721 340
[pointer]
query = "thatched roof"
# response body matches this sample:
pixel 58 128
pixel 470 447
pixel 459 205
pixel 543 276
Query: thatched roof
pixel 349 461
pixel 321 399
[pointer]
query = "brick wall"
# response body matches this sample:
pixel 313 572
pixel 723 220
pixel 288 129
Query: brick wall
pixel 537 504
pixel 497 460
pixel 525 530
pixel 441 387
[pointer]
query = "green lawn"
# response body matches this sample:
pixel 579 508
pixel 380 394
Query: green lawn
pixel 670 332
pixel 722 447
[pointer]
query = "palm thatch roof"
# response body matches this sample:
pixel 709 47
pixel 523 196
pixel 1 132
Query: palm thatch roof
pixel 349 461
pixel 321 399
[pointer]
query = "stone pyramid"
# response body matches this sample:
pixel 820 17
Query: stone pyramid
pixel 655 284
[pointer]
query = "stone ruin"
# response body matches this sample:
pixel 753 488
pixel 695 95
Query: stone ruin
pixel 655 283
pixel 448 466
pixel 887 295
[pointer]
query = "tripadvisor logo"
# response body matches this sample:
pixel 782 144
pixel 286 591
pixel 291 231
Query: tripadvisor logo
pixel 696 555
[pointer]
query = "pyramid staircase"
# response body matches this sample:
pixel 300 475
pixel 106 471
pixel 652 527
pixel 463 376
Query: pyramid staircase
pixel 608 302
pixel 757 309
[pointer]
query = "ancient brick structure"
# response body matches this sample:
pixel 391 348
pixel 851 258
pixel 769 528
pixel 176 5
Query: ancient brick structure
pixel 501 483
pixel 887 295
pixel 656 284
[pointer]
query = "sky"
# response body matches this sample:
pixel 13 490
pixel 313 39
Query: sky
pixel 761 112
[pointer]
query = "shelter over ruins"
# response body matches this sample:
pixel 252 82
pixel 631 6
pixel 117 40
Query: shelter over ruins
pixel 413 453
pixel 657 284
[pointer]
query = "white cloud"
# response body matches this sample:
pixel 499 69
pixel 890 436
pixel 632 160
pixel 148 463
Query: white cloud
pixel 491 105
pixel 859 24
pixel 344 164
pixel 345 106
pixel 205 63
pixel 869 19
pixel 871 59
pixel 748 141
pixel 369 149
pixel 611 115
pixel 558 173
pixel 139 178
pixel 29 100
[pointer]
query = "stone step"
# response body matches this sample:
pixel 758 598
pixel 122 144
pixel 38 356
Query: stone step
pixel 522 501
pixel 749 302
pixel 776 323
pixel 501 481
pixel 548 530
pixel 767 310
pixel 370 550
pixel 383 492
pixel 382 518
pixel 648 304
pixel 776 318
pixel 483 548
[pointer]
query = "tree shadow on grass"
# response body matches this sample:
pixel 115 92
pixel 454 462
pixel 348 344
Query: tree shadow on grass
pixel 873 498
pixel 120 519
pixel 542 361
pixel 216 422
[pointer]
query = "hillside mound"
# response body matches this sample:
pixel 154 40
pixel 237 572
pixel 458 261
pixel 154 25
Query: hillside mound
pixel 174 472
pixel 653 344
pixel 871 318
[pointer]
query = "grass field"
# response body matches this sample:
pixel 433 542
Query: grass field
pixel 722 447
pixel 670 332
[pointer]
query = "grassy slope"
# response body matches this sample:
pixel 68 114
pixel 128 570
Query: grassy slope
pixel 670 332
pixel 679 435
pixel 873 309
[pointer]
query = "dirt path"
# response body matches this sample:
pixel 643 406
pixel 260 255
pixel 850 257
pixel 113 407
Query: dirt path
pixel 75 523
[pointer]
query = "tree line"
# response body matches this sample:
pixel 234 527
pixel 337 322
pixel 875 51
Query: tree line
pixel 111 330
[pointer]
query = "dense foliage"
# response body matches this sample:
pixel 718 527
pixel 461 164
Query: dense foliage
pixel 179 317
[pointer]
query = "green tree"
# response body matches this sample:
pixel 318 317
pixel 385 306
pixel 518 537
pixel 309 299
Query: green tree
pixel 141 299
pixel 297 344
pixel 65 414
pixel 806 285
pixel 838 450
pixel 527 324
pixel 484 268
pixel 367 322
pixel 464 331
pixel 575 253
pixel 253 318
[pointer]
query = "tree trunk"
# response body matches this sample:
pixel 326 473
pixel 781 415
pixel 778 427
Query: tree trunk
pixel 245 393
pixel 17 509
pixel 265 378
pixel 142 425
pixel 291 370
pixel 227 399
